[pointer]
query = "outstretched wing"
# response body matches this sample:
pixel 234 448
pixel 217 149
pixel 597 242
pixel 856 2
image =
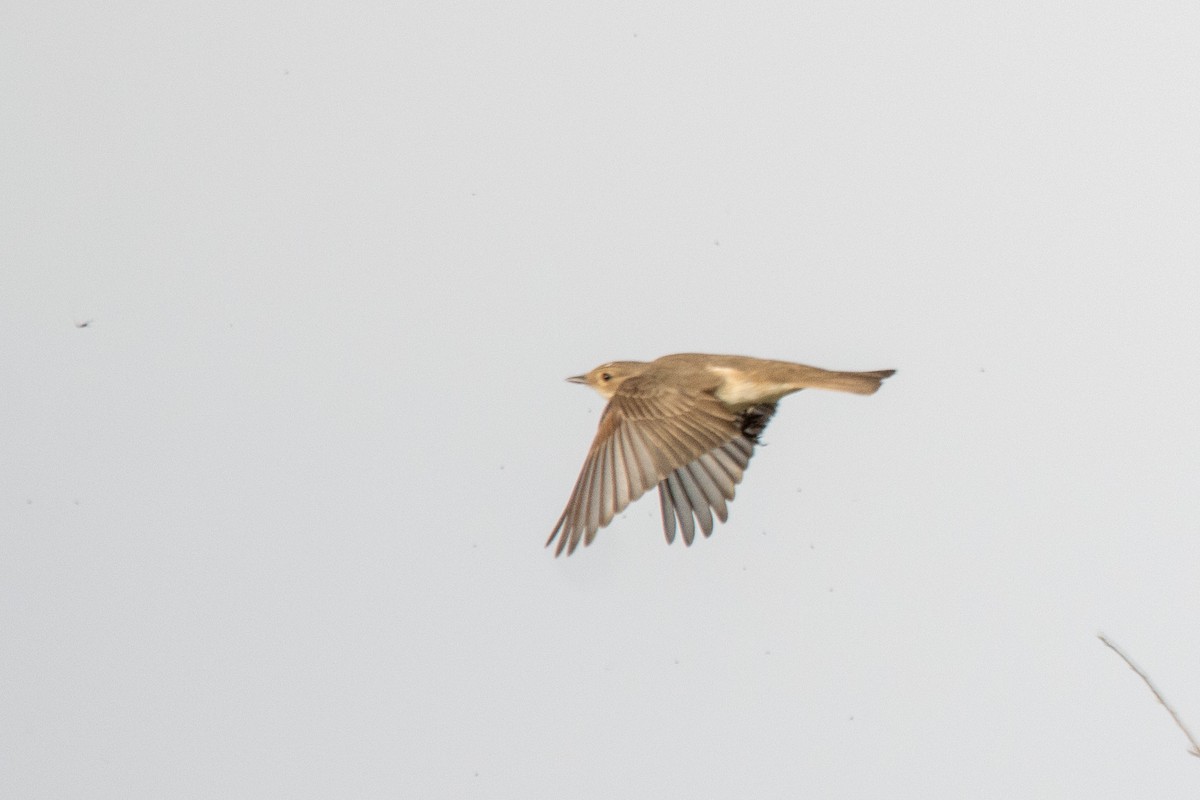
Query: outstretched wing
pixel 651 434
pixel 703 485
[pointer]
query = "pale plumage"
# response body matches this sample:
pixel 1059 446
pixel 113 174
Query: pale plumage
pixel 687 424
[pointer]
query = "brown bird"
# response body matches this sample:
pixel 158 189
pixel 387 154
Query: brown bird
pixel 687 423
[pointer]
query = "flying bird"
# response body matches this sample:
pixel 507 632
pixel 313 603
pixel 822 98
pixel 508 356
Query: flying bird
pixel 688 424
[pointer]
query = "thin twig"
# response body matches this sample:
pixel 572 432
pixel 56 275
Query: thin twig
pixel 1195 745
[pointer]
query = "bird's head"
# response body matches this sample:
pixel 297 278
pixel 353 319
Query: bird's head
pixel 607 378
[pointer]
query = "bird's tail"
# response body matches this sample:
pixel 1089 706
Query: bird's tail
pixel 856 382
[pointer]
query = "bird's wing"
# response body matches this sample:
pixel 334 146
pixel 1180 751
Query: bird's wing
pixel 708 481
pixel 652 433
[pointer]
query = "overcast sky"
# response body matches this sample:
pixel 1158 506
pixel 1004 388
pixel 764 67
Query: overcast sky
pixel 287 297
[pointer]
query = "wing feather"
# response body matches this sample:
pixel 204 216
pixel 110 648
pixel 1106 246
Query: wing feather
pixel 689 444
pixel 683 508
pixel 668 512
pixel 712 493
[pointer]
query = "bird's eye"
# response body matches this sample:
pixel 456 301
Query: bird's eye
pixel 604 376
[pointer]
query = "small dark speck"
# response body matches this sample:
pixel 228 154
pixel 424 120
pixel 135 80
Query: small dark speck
pixel 852 718
pixel 767 652
pixel 83 324
pixel 831 590
pixel 477 774
pixel 812 547
pixel 501 467
pixel 76 502
pixel 28 501
pixel 717 242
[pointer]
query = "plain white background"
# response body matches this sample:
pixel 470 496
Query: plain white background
pixel 271 525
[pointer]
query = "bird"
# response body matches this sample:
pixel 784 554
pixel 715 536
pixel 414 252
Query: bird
pixel 688 424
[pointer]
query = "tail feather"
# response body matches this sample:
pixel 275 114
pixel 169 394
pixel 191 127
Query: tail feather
pixel 856 382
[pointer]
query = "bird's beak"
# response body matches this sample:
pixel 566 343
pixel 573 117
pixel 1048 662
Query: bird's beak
pixel 577 379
